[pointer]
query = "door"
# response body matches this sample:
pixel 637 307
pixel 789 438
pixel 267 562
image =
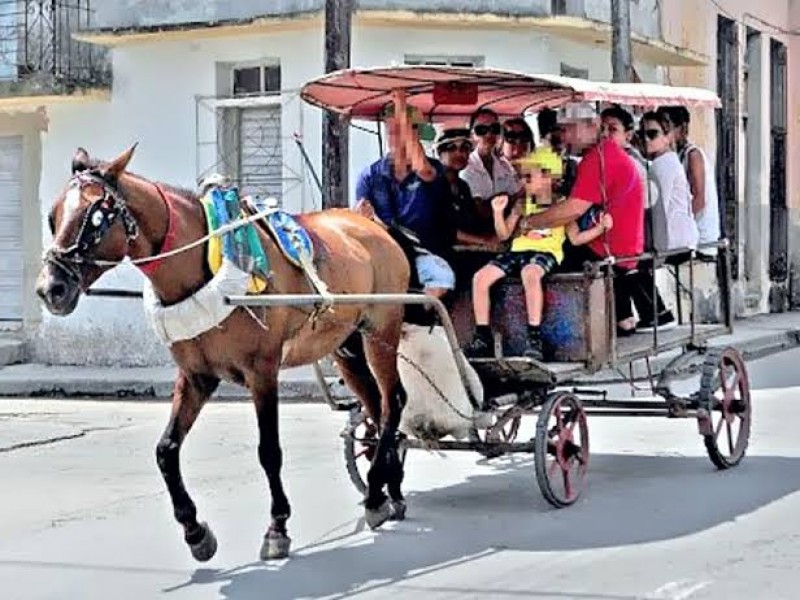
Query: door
pixel 11 261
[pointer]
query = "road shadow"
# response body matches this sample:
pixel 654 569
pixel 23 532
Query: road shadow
pixel 632 499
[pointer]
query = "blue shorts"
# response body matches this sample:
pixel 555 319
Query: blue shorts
pixel 434 272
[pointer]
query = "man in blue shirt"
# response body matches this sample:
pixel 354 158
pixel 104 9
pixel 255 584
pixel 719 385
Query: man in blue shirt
pixel 408 190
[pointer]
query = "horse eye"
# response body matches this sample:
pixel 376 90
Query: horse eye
pixel 97 218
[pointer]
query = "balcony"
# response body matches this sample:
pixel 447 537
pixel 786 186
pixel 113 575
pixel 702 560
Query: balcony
pixel 40 62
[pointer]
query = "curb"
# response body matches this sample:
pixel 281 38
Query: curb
pixel 156 385
pixel 752 349
pixel 77 386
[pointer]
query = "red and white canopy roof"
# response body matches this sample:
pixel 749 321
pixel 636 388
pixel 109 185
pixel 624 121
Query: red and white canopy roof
pixel 446 92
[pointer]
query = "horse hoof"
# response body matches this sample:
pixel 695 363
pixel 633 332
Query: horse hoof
pixel 378 516
pixel 275 546
pixel 206 547
pixel 398 510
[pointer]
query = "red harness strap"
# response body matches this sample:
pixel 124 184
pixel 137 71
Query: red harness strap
pixel 149 268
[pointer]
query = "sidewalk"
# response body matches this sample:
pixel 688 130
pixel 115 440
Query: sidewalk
pixel 755 337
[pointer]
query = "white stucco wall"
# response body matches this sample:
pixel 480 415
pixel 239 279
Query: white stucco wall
pixel 154 103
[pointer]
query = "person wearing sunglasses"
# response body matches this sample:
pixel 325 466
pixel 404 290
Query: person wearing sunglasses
pixel 673 225
pixel 702 182
pixel 474 226
pixel 408 191
pixel 517 140
pixel 487 173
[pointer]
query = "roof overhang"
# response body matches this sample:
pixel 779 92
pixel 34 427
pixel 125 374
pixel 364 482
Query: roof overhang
pixel 203 30
pixel 585 31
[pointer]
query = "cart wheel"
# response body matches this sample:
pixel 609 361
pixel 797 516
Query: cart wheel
pixel 360 443
pixel 562 449
pixel 725 409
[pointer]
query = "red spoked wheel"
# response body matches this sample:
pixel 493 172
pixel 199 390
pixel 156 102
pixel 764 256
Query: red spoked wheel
pixel 725 409
pixel 562 449
pixel 360 443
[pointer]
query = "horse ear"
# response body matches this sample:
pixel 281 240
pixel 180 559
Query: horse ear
pixel 80 160
pixel 119 164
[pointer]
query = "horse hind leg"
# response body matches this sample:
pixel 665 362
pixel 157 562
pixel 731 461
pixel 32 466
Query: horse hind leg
pixel 191 393
pixel 381 352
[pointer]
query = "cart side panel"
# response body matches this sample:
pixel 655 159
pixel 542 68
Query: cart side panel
pixel 575 326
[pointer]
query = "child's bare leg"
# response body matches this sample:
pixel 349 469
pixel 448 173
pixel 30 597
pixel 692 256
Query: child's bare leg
pixel 482 282
pixel 532 276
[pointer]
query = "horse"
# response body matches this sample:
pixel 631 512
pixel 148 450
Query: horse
pixel 105 214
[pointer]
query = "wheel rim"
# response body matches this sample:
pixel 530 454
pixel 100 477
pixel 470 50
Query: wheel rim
pixel 729 407
pixel 567 457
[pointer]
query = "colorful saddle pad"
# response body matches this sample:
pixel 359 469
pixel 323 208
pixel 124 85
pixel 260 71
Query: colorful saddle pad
pixel 290 236
pixel 241 246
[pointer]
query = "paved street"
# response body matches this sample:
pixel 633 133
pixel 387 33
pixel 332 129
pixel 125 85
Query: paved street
pixel 84 515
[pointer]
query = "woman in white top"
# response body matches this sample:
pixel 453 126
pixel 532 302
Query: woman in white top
pixel 670 211
pixel 673 219
pixel 487 173
pixel 700 172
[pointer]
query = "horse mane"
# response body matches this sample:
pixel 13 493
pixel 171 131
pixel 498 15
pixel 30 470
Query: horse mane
pixel 184 193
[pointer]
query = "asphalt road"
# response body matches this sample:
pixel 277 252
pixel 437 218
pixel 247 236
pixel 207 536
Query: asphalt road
pixel 83 512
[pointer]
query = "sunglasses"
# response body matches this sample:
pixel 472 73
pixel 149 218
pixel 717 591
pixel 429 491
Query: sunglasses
pixel 652 134
pixel 515 137
pixel 465 147
pixel 481 130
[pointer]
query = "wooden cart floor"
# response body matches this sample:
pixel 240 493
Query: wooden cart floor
pixel 508 370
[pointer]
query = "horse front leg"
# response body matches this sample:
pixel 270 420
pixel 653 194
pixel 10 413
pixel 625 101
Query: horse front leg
pixel 265 397
pixel 188 398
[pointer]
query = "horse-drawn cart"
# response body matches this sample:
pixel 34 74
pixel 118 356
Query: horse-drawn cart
pixel 106 215
pixel 579 311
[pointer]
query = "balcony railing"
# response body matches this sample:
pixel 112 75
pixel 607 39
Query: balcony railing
pixel 38 54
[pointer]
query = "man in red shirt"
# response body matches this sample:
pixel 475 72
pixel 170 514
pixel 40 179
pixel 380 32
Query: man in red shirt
pixel 606 178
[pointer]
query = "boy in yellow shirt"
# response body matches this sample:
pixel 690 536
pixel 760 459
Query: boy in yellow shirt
pixel 532 256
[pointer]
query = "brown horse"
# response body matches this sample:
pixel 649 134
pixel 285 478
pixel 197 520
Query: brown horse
pixel 106 214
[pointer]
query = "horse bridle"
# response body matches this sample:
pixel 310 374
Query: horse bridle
pixel 97 222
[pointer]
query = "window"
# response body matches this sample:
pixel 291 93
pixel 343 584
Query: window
pixel 444 60
pixel 252 81
pixel 250 142
pixel 570 71
pixel 574 8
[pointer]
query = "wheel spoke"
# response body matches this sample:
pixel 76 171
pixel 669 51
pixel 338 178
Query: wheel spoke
pixel 553 467
pixel 723 379
pixel 567 485
pixel 719 426
pixel 735 383
pixel 559 418
pixel 730 436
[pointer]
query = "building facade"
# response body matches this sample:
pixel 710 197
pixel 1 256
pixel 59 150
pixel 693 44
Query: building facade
pixel 213 86
pixel 754 51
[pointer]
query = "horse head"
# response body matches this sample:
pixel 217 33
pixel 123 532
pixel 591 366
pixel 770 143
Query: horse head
pixel 92 231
